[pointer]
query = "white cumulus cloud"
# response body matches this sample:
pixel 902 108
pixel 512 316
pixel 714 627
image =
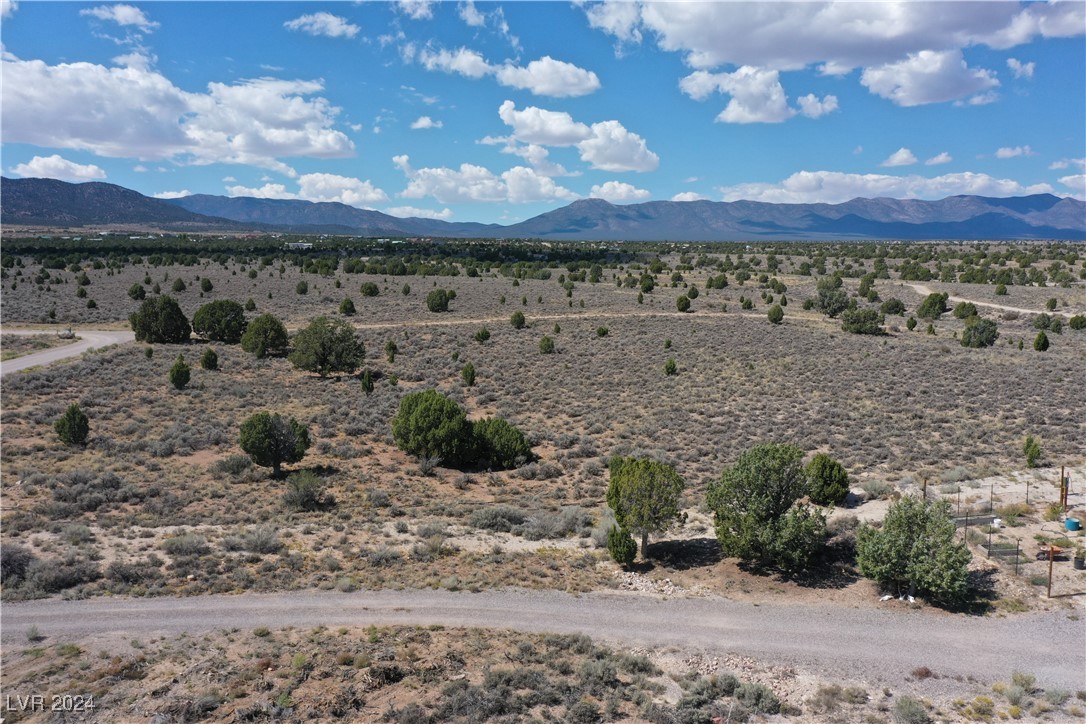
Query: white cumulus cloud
pixel 539 126
pixel 938 159
pixel 267 191
pixel 137 113
pixel 8 8
pixel 1077 183
pixel 172 194
pixel 472 183
pixel 1067 163
pixel 416 9
pixel 123 15
pixel 318 187
pixel 900 157
pixel 464 61
pixel 344 189
pixel 608 146
pixel 408 212
pixel 888 39
pixel 756 94
pixel 618 192
pixel 470 14
pixel 542 77
pixel 928 76
pixel 1020 69
pixel 613 148
pixel 834 187
pixel 1013 151
pixel 689 196
pixel 549 77
pixel 325 24
pixel 424 122
pixel 792 36
pixel 59 168
pixel 812 107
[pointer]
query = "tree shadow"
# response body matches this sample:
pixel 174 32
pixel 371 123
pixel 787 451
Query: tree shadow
pixel 826 574
pixel 982 594
pixel 684 555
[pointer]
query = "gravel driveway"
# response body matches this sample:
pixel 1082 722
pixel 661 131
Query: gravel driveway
pixel 89 339
pixel 832 642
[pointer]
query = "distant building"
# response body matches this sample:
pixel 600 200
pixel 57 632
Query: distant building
pixel 299 245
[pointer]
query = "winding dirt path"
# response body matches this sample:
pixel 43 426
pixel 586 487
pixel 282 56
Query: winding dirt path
pixel 925 290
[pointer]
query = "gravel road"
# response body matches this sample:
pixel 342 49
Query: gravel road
pixel 862 644
pixel 89 339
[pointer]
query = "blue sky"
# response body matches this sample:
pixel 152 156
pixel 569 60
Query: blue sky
pixel 496 112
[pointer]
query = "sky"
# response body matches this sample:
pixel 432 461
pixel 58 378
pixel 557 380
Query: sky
pixel 497 112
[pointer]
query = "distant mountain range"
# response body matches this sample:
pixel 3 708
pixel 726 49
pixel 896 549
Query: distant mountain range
pixel 46 202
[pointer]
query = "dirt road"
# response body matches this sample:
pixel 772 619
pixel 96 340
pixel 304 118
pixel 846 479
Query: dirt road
pixel 925 290
pixel 89 339
pixel 832 642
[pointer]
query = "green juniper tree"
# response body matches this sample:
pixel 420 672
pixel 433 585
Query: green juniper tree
pixel 915 551
pixel 645 496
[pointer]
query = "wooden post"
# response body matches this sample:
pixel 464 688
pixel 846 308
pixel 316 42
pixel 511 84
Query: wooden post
pixel 1017 546
pixel 1063 489
pixel 1051 555
pixel 959 500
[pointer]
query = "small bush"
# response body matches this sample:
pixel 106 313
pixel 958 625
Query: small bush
pixel 186 544
pixel 965 310
pixel 979 333
pixel 758 698
pixel 232 465
pixel 892 306
pixel 369 289
pixel 209 360
pixel 305 491
pixel 775 314
pixel 467 373
pixel 517 320
pixel 683 303
pixel 501 444
pixel 263 539
pixel 908 710
pixel 438 300
pixel 73 427
pixel 827 480
pixel 180 373
pixel 621 546
pixel 500 518
pixel 546 345
pixel 933 306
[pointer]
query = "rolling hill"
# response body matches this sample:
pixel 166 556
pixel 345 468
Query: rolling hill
pixel 1039 216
